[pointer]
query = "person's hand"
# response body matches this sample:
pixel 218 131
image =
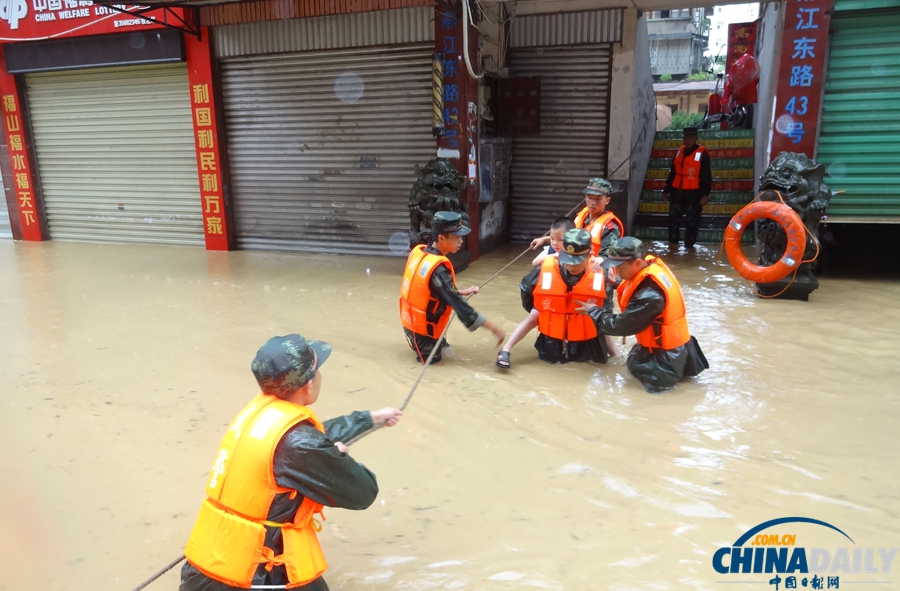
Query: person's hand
pixel 585 307
pixel 387 416
pixel 341 447
pixel 539 242
pixel 704 200
pixel 665 196
pixel 501 336
pixel 597 264
pixel 469 291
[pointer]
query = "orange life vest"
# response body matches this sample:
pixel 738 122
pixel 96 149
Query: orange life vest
pixel 687 170
pixel 415 293
pixel 670 329
pixel 597 226
pixel 556 305
pixel 228 540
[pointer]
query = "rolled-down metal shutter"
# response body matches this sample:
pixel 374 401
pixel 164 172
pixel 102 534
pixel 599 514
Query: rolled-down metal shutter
pixel 5 230
pixel 115 152
pixel 861 118
pixel 549 171
pixel 322 146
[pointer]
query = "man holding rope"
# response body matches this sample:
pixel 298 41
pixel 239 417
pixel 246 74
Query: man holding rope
pixel 277 467
pixel 428 294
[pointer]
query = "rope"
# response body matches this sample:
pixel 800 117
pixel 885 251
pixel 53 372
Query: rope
pixel 160 573
pixel 440 340
pixel 415 385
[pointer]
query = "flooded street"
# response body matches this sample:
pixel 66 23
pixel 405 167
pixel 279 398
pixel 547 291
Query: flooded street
pixel 121 366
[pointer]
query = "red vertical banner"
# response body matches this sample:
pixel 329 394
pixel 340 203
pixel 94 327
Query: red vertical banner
pixel 460 139
pixel 741 40
pixel 206 140
pixel 22 179
pixel 801 76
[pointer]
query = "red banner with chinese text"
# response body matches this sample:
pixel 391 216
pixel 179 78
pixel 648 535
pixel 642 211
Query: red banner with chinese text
pixel 801 76
pixel 741 40
pixel 22 179
pixel 34 20
pixel 206 141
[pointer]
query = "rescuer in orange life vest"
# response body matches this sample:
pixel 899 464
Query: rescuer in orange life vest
pixel 652 309
pixel 428 293
pixel 552 292
pixel 603 225
pixel 276 468
pixel 687 188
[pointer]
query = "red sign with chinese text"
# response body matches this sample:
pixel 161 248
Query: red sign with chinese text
pixel 206 140
pixel 801 76
pixel 22 179
pixel 34 20
pixel 741 40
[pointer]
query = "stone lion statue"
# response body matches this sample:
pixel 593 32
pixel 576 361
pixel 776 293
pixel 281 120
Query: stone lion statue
pixel 801 183
pixel 438 187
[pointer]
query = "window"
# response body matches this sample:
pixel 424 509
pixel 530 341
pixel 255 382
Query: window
pixel 663 14
pixel 673 107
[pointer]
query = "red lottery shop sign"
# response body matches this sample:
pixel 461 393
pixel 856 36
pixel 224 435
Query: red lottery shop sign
pixel 741 40
pixel 34 20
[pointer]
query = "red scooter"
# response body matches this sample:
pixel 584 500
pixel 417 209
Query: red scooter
pixel 733 108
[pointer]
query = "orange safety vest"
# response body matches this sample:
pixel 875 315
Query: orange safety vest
pixel 670 329
pixel 415 293
pixel 597 226
pixel 556 305
pixel 687 171
pixel 228 540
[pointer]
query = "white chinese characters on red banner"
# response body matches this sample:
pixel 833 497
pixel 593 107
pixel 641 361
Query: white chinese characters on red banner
pixel 32 20
pixel 801 76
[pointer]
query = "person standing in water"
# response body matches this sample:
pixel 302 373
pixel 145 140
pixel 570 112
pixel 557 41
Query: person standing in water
pixel 428 293
pixel 277 467
pixel 549 294
pixel 652 309
pixel 603 225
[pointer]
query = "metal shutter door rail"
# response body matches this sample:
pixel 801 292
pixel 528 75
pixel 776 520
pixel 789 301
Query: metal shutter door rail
pixel 550 171
pixel 359 29
pixel 112 136
pixel 861 118
pixel 5 229
pixel 301 157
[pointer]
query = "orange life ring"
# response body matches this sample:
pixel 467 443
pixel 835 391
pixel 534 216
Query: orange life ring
pixel 792 225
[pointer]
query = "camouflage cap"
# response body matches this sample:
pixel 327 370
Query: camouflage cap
pixel 624 250
pixel 285 364
pixel 448 222
pixel 689 132
pixel 598 186
pixel 576 247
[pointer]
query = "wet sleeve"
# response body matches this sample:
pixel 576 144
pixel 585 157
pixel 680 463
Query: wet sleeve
pixel 671 178
pixel 609 237
pixel 308 462
pixel 347 427
pixel 705 175
pixel 443 288
pixel 526 289
pixel 643 307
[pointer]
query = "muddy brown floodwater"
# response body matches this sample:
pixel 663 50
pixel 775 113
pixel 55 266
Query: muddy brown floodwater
pixel 120 367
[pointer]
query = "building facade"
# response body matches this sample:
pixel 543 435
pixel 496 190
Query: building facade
pixel 297 125
pixel 678 41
